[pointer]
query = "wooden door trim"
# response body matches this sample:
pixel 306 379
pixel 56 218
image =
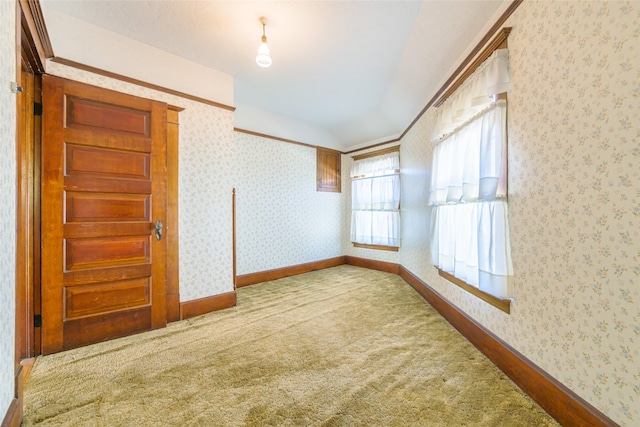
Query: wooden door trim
pixel 36 42
pixel 23 231
pixel 159 191
pixel 173 265
pixel 52 167
pixel 25 210
pixel 233 237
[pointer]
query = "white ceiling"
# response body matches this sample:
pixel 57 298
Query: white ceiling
pixel 359 70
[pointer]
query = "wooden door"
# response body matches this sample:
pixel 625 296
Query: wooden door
pixel 103 189
pixel 328 164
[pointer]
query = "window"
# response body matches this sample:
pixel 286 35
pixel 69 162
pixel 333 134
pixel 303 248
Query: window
pixel 375 199
pixel 468 191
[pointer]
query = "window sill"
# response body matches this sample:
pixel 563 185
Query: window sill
pixel 376 247
pixel 499 303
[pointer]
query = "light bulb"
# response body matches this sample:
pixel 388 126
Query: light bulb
pixel 263 59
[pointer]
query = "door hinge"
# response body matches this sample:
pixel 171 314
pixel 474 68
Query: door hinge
pixel 37 109
pixel 37 321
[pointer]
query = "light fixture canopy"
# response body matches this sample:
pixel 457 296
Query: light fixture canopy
pixel 263 59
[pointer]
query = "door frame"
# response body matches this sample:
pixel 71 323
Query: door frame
pixel 32 49
pixel 28 218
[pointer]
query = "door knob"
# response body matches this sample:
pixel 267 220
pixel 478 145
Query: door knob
pixel 158 230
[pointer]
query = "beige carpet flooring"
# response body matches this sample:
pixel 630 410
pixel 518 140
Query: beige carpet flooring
pixel 344 346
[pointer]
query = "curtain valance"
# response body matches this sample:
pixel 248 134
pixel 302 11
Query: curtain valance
pixel 491 78
pixel 385 164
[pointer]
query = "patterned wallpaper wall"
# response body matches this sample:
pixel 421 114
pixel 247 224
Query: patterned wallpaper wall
pixel 281 219
pixel 206 156
pixel 574 200
pixel 378 255
pixel 574 172
pixel 7 202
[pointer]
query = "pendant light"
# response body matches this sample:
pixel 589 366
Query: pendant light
pixel 263 59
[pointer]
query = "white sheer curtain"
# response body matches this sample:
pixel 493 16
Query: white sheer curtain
pixel 375 200
pixel 468 163
pixel 469 221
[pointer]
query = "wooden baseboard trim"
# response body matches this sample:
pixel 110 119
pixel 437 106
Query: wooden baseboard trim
pixel 279 273
pixel 389 267
pixel 206 305
pixel 13 417
pixel 560 402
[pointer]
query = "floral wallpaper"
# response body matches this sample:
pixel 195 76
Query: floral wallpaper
pixel 206 155
pixel 281 219
pixel 349 249
pixel 7 203
pixel 574 175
